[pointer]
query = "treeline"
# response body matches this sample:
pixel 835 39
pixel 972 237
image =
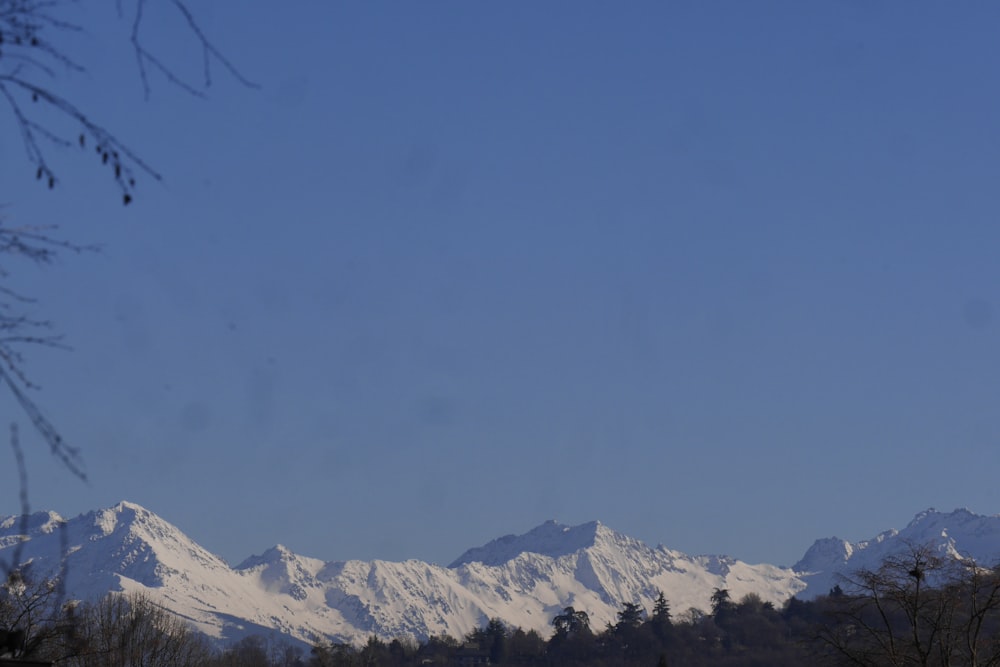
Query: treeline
pixel 121 630
pixel 918 608
pixel 921 607
pixel 744 632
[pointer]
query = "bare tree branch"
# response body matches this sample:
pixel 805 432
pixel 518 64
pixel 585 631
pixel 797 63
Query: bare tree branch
pixel 30 61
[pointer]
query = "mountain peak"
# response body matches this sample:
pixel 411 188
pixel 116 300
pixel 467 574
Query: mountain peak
pixel 38 522
pixel 123 514
pixel 960 533
pixel 551 539
pixel 521 578
pixel 959 515
pixel 277 554
pixel 127 505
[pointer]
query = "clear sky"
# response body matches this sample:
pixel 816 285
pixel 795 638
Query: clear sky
pixel 722 275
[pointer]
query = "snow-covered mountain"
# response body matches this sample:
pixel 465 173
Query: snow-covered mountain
pixel 960 533
pixel 522 579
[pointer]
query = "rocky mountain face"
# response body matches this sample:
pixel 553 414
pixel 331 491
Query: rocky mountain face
pixel 523 579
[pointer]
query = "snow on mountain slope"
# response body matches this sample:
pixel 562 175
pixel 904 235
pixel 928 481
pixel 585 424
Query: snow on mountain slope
pixel 549 539
pixel 597 569
pixel 523 579
pixel 128 548
pixel 959 533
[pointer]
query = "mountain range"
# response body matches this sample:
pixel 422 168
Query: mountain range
pixel 523 579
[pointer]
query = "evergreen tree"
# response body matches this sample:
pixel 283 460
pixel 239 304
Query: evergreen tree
pixel 721 602
pixel 496 641
pixel 571 622
pixel 630 616
pixel 661 610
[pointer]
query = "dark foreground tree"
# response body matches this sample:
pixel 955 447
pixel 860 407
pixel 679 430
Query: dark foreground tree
pixel 32 615
pixel 918 608
pixel 35 65
pixel 34 68
pixel 571 623
pixel 34 61
pixel 123 630
pixel 629 616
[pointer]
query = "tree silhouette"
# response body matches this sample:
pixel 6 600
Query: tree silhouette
pixel 629 616
pixel 571 622
pixel 34 68
pixel 32 57
pixel 661 620
pixel 721 602
pixel 918 607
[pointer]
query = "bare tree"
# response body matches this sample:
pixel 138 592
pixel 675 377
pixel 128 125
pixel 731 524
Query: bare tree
pixel 33 67
pixel 32 612
pixel 32 60
pixel 919 607
pixel 130 629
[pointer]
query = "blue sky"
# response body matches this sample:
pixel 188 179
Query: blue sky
pixel 721 275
